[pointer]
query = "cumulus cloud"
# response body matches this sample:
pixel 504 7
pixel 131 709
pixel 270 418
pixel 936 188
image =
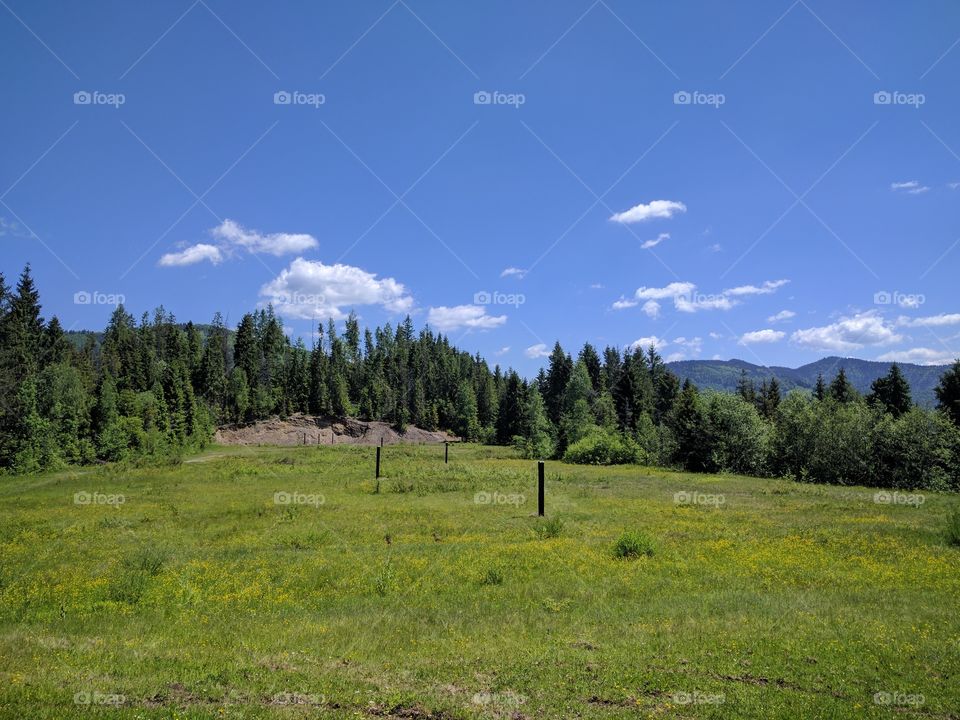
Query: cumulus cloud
pixel 768 287
pixel 503 351
pixel 513 272
pixel 686 298
pixel 672 290
pixel 781 316
pixel 651 308
pixel 655 209
pixel 623 304
pixel 471 317
pixel 848 333
pixel 761 336
pixel 921 356
pixel 310 289
pixel 645 342
pixel 911 187
pixel 193 254
pixel 537 351
pixel 232 238
pixel 656 241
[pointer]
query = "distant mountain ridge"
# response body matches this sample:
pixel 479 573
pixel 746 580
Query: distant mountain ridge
pixel 724 374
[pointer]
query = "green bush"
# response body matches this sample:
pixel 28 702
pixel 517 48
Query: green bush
pixel 551 528
pixel 953 527
pixel 603 447
pixel 633 545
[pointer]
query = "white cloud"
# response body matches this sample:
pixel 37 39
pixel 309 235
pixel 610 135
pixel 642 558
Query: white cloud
pixel 472 317
pixel 652 309
pixel 762 336
pixel 645 342
pixel 911 187
pixel 672 290
pixel 781 316
pixel 953 185
pixel 703 302
pixel 716 247
pixel 537 351
pixel 931 320
pixel 768 287
pixel 921 356
pixel 193 254
pixel 232 237
pixel 694 345
pixel 623 304
pixel 715 336
pixel 503 351
pixel 848 333
pixel 656 241
pixel 655 209
pixel 309 289
pixel 686 299
pixel 675 357
pixel 235 235
pixel 513 272
pixel 596 286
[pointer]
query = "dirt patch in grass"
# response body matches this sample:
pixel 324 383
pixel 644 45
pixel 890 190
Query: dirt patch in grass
pixel 312 430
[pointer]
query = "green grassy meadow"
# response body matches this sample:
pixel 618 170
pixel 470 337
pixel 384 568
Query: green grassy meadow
pixel 195 591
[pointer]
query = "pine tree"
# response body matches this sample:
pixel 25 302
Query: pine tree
pixel 891 393
pixel 689 423
pixel 820 391
pixel 745 388
pixel 948 393
pixel 841 390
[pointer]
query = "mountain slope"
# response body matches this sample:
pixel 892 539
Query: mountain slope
pixel 724 374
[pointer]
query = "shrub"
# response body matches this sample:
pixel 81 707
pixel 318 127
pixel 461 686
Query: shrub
pixel 739 437
pixel 493 576
pixel 953 527
pixel 603 447
pixel 551 528
pixel 633 545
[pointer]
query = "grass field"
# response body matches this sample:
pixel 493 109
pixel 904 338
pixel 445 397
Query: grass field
pixel 194 590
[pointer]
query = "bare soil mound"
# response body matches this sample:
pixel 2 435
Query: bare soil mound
pixel 311 430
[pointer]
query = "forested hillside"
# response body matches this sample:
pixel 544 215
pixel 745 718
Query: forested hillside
pixel 725 374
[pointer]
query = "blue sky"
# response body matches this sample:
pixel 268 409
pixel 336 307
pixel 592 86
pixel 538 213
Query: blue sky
pixel 775 181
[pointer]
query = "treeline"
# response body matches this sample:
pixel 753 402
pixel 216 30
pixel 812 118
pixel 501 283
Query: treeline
pixel 154 387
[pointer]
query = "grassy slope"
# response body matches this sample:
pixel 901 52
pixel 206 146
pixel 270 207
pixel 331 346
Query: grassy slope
pixel 790 600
